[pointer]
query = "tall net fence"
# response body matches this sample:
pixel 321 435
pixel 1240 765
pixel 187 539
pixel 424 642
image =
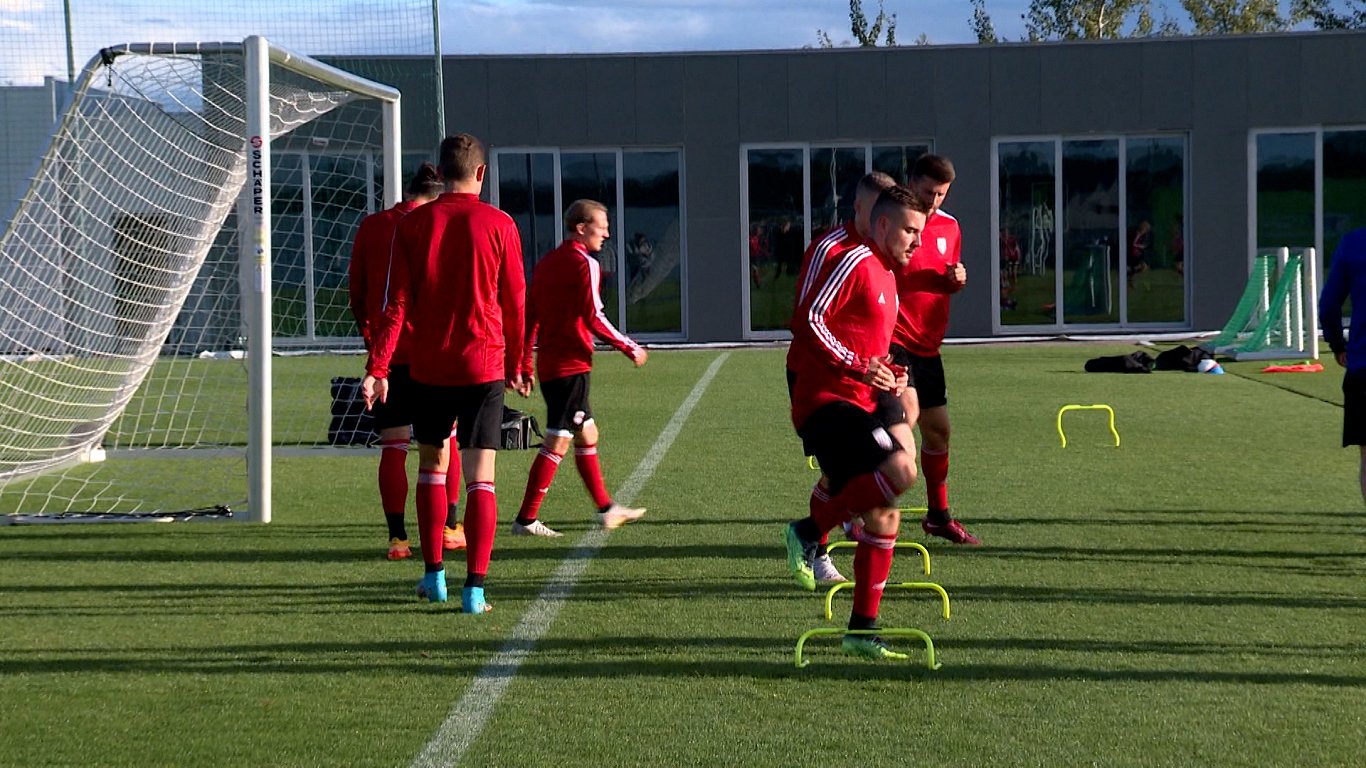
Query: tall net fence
pixel 121 315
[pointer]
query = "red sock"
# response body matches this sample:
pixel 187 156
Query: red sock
pixel 454 482
pixel 393 476
pixel 586 459
pixel 481 522
pixel 431 513
pixel 869 491
pixel 935 467
pixel 820 498
pixel 872 565
pixel 537 483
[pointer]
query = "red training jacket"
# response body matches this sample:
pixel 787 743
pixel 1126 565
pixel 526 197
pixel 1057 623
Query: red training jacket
pixel 564 313
pixel 368 274
pixel 456 274
pixel 849 321
pixel 925 288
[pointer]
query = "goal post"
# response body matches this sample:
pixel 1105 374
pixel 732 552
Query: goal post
pixel 1277 317
pixel 143 292
pixel 257 59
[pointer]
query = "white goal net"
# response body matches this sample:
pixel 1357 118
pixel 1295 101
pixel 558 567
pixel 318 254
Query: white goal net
pixel 140 302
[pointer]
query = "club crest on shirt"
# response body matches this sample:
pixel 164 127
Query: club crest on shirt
pixel 881 298
pixel 942 243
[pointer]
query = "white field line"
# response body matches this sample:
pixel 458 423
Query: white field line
pixel 471 713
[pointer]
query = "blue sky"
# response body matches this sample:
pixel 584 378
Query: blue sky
pixel 33 44
pixel 576 26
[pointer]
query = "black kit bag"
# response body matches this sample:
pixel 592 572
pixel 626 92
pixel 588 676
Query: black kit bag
pixel 518 429
pixel 351 423
pixel 1136 362
pixel 1183 358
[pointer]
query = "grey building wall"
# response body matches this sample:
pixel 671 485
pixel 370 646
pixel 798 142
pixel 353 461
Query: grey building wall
pixel 1213 89
pixel 29 116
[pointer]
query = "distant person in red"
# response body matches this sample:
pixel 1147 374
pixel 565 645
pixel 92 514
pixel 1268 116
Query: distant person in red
pixel 835 399
pixel 1178 244
pixel 456 278
pixel 564 313
pixel 927 283
pixel 368 280
pixel 1138 250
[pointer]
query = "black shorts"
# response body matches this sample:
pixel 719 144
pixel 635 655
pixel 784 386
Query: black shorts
pixel 476 411
pixel 847 441
pixel 1353 409
pixel 889 409
pixel 396 410
pixel 927 376
pixel 566 402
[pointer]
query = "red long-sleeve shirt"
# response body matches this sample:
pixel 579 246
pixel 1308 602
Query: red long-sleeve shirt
pixel 821 256
pixel 925 287
pixel 849 320
pixel 368 274
pixel 456 274
pixel 564 313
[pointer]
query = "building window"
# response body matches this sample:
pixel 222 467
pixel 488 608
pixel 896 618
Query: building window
pixel 1110 212
pixel 1310 188
pixel 643 261
pixel 791 194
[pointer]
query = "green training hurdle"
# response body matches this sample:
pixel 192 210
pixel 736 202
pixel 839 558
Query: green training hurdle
pixel 889 632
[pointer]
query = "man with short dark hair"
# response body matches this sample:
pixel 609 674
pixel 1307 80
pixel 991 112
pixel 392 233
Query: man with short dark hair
pixel 564 313
pixel 935 273
pixel 368 283
pixel 835 399
pixel 822 251
pixel 456 274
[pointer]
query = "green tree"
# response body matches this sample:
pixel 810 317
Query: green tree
pixel 865 35
pixel 1087 19
pixel 981 23
pixel 1325 15
pixel 1238 17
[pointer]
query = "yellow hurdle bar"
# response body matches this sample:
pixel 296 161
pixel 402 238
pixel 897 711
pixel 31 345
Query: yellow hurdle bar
pixel 886 632
pixel 924 553
pixel 943 596
pixel 1098 407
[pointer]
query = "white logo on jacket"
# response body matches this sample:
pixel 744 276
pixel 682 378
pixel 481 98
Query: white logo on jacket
pixel 882 298
pixel 943 244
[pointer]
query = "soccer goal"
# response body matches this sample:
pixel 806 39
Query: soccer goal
pixel 191 219
pixel 1277 316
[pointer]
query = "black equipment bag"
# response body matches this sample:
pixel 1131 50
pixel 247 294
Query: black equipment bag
pixel 351 423
pixel 1136 362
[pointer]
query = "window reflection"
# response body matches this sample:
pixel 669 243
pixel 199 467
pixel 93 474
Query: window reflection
pixel 1285 190
pixel 1026 280
pixel 835 173
pixel 1090 237
pixel 897 161
pixel 526 192
pixel 775 219
pixel 651 241
pixel 1344 186
pixel 593 176
pixel 1155 229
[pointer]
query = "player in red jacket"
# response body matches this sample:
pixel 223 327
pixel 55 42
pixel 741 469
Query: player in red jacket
pixel 456 278
pixel 821 252
pixel 935 273
pixel 835 402
pixel 368 280
pixel 564 313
